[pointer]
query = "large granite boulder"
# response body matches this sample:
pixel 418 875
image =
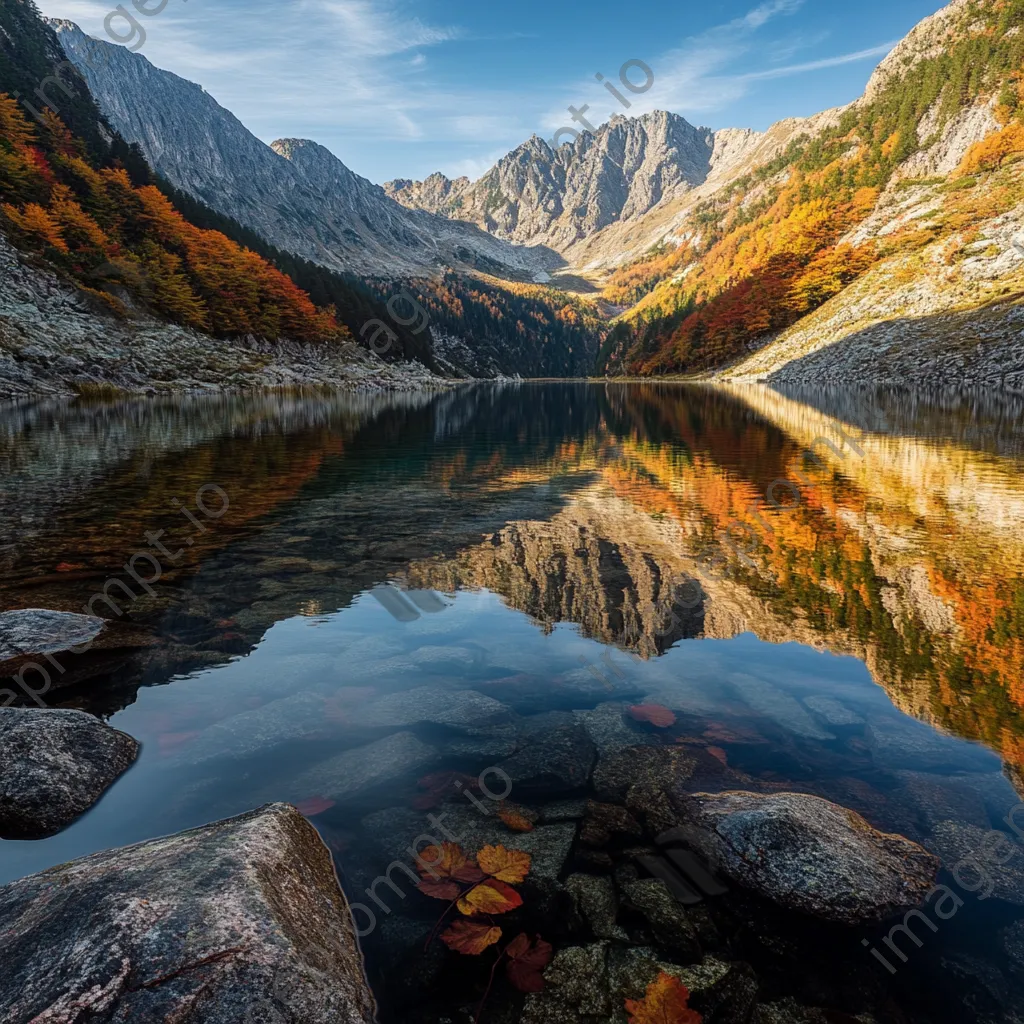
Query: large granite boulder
pixel 54 765
pixel 238 921
pixel 809 854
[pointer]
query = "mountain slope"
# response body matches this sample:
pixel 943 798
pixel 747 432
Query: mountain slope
pixel 758 256
pixel 557 197
pixel 295 194
pixel 599 198
pixel 68 196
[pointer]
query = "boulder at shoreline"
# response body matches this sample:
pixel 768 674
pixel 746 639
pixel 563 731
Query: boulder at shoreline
pixel 238 921
pixel 54 765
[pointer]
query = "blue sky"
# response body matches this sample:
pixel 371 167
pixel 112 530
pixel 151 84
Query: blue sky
pixel 398 88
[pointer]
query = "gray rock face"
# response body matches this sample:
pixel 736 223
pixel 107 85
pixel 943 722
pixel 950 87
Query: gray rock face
pixel 241 920
pixel 296 194
pixel 54 765
pixel 536 194
pixel 810 855
pixel 556 756
pixel 42 631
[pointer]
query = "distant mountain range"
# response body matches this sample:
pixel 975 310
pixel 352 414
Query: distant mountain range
pixel 535 214
pixel 864 243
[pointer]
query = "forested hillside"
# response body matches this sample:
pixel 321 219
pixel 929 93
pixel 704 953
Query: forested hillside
pixel 781 241
pixel 82 200
pixel 73 193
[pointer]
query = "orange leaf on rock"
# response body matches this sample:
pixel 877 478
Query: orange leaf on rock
pixel 665 1003
pixel 445 861
pixel 505 865
pixel 515 818
pixel 490 897
pixel 470 938
pixel 526 962
pixel 655 714
pixel 441 890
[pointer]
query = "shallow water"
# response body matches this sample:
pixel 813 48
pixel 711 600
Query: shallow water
pixel 569 552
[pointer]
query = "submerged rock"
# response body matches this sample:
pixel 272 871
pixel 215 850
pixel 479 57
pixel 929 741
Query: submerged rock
pixel 241 920
pixel 54 765
pixel 38 631
pixel 983 861
pixel 607 727
pixel 833 712
pixel 594 899
pixel 556 755
pixel 393 831
pixel 770 701
pixel 649 767
pixel 810 855
pixel 357 774
pixel 584 984
pixel 344 718
pixel 462 710
pixel 665 920
pixel 300 717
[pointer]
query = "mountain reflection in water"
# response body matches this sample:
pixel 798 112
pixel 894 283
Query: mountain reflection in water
pixel 554 540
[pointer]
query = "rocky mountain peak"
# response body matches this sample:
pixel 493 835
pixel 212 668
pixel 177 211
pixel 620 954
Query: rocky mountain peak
pixel 535 194
pixel 926 39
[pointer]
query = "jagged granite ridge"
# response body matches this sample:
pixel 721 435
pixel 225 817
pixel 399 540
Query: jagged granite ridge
pixel 295 194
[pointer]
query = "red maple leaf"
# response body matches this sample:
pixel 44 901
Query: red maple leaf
pixel 666 1002
pixel 526 962
pixel 314 805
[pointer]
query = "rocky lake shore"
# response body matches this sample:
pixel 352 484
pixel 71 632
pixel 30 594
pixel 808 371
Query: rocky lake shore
pixel 57 340
pixel 244 919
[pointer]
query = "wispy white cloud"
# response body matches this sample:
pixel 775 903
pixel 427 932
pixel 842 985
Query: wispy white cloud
pixel 817 65
pixel 765 12
pixel 372 29
pixel 701 77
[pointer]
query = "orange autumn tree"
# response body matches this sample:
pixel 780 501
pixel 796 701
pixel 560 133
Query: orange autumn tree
pixel 110 236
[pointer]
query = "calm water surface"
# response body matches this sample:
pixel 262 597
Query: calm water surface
pixel 567 552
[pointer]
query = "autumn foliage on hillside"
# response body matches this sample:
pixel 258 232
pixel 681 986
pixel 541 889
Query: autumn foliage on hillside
pixel 113 237
pixel 532 329
pixel 774 245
